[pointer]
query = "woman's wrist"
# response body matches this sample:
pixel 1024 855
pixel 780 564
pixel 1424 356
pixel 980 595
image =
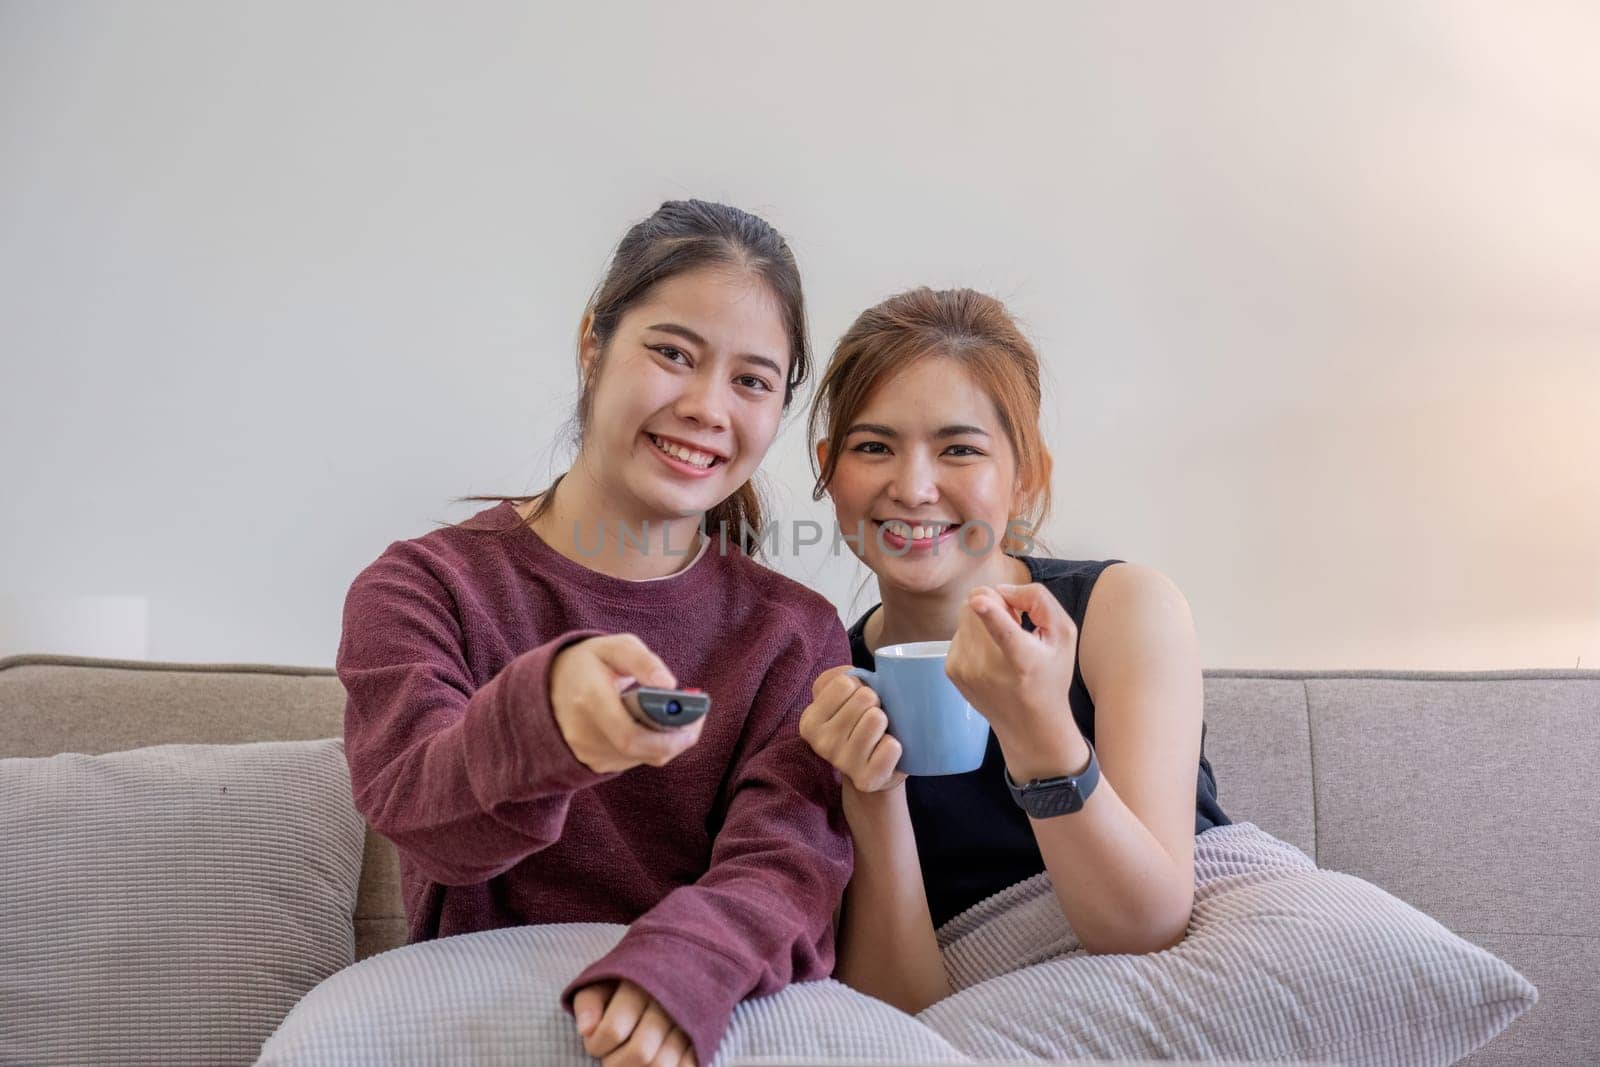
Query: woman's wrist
pixel 868 811
pixel 1050 753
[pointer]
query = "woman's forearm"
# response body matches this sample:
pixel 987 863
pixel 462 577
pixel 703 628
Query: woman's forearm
pixel 1119 889
pixel 887 946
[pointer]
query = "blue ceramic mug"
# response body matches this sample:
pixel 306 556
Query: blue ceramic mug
pixel 939 731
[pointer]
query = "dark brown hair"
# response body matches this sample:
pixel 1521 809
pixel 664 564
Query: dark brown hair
pixel 970 327
pixel 682 236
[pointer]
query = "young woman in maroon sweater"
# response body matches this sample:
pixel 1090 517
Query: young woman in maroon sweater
pixel 927 423
pixel 484 730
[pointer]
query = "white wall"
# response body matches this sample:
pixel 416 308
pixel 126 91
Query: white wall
pixel 1318 286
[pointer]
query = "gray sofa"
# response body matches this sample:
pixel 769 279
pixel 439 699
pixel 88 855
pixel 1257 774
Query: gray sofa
pixel 1463 794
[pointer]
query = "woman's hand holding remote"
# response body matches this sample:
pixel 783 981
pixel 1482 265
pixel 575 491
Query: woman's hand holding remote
pixel 585 682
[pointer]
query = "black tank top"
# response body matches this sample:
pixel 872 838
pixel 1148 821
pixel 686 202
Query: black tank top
pixel 972 838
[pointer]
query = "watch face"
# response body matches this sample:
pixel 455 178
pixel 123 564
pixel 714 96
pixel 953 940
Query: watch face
pixel 1058 799
pixel 1056 796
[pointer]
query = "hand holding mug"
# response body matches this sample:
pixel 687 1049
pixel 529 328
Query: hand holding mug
pixel 937 728
pixel 846 725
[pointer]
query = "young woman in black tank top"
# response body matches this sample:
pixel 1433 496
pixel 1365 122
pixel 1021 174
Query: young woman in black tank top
pixel 927 431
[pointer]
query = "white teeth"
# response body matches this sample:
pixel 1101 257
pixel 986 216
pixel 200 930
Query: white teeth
pixel 688 455
pixel 919 532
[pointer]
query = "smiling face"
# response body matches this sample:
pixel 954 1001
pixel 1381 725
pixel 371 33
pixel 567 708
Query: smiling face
pixel 928 469
pixel 688 394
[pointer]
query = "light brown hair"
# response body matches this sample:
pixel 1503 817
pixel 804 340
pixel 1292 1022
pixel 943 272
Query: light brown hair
pixel 964 325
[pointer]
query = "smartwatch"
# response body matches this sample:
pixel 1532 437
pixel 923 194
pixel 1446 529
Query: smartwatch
pixel 1043 798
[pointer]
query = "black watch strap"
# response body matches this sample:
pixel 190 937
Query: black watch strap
pixel 1044 798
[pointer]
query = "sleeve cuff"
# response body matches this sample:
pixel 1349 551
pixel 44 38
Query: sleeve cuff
pixel 697 985
pixel 515 751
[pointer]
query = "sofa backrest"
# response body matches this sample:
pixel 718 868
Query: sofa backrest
pixel 1466 794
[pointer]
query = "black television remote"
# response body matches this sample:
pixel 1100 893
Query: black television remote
pixel 665 709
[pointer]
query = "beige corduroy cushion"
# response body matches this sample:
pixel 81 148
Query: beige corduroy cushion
pixel 1283 962
pixel 170 904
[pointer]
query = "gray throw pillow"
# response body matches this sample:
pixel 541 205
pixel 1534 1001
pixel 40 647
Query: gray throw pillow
pixel 1282 961
pixel 171 904
pixel 491 997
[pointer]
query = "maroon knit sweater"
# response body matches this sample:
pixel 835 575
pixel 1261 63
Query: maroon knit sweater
pixel 727 863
